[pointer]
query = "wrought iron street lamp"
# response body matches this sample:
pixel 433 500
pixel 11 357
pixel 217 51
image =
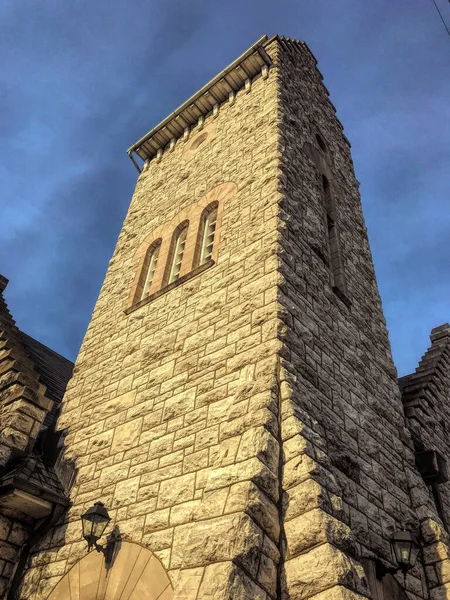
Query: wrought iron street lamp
pixel 95 521
pixel 405 548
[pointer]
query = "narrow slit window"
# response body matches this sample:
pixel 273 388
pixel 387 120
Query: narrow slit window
pixel 151 262
pixel 178 246
pixel 208 235
pixel 335 258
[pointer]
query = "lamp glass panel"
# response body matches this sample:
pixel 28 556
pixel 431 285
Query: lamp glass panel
pixel 99 524
pixel 402 550
pixel 87 526
pixel 414 553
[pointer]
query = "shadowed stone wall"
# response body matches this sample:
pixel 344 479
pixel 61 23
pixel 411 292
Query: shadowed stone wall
pixel 349 475
pixel 426 398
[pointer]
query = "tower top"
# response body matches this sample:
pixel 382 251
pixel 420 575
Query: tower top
pixel 229 81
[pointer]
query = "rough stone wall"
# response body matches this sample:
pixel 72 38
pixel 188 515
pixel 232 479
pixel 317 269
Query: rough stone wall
pixel 171 415
pixel 426 398
pixel 349 476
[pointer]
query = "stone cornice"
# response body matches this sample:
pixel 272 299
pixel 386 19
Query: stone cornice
pixel 221 88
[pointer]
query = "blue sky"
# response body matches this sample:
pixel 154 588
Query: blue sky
pixel 82 80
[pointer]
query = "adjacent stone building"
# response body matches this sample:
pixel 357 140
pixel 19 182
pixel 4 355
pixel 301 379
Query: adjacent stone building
pixel 33 379
pixel 234 404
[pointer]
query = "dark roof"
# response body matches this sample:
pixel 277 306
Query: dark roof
pixel 31 474
pixel 54 370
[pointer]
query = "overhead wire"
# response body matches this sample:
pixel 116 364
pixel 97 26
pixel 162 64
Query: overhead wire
pixel 442 18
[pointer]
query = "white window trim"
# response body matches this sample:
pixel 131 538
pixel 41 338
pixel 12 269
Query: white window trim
pixel 151 270
pixel 177 257
pixel 209 233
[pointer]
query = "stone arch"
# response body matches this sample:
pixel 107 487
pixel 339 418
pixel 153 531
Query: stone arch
pixel 221 194
pixel 136 574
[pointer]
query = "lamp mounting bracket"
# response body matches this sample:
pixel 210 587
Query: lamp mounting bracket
pixel 108 551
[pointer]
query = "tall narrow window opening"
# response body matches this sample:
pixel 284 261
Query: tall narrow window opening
pixel 177 252
pixel 150 263
pixel 321 143
pixel 207 234
pixel 335 259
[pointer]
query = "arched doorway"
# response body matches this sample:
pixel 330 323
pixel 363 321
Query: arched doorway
pixel 136 574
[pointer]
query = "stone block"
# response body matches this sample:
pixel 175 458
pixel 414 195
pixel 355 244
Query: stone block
pixel 435 553
pixel 307 495
pixel 114 473
pixel 126 436
pixel 252 469
pixel 247 497
pixel 316 527
pixel 161 446
pixel 225 581
pixel 115 405
pixel 230 537
pixel 440 593
pixel 159 540
pixel 177 490
pixel 187 583
pixel 224 453
pixel 132 529
pixel 267 575
pixel 179 404
pixel 338 592
pixel 125 492
pixel 259 442
pixel 320 569
pixel 300 468
pixel 157 520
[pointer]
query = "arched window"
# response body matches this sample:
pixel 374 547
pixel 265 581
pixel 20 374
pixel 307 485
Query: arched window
pixel 176 253
pixel 148 271
pixel 207 235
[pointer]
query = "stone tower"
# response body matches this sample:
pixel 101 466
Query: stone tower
pixel 234 404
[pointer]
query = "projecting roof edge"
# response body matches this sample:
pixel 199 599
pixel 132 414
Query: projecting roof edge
pixel 188 113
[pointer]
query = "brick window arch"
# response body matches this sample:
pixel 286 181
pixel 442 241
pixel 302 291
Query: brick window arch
pixel 206 234
pixel 176 253
pixel 148 270
pixel 181 248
